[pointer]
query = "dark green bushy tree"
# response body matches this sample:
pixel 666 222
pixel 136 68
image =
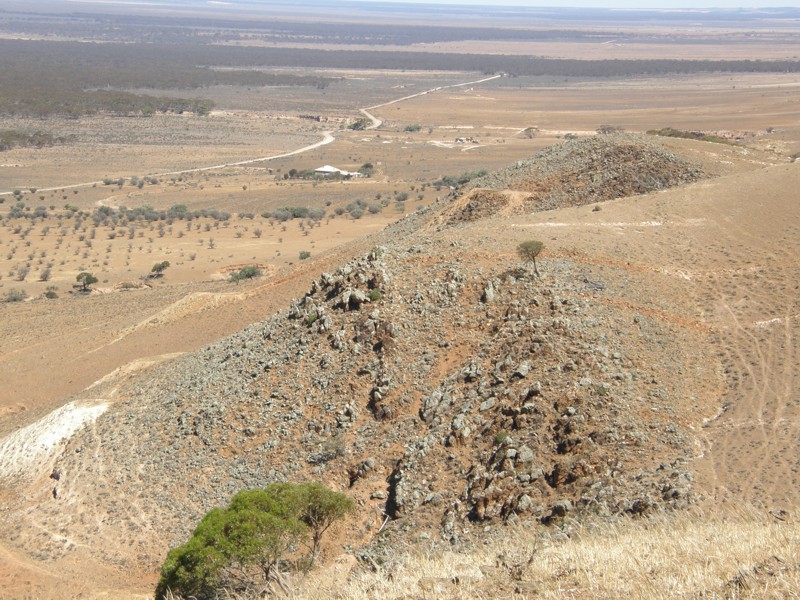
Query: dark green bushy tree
pixel 239 549
pixel 85 279
pixel 159 268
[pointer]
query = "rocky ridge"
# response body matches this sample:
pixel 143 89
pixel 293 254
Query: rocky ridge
pixel 436 393
pixel 575 173
pixel 435 380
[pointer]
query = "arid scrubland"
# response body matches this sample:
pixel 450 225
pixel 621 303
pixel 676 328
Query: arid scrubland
pixel 187 310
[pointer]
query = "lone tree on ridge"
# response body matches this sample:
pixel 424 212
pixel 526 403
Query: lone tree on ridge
pixel 529 250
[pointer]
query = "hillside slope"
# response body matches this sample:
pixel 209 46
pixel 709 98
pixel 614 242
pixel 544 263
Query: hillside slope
pixel 443 386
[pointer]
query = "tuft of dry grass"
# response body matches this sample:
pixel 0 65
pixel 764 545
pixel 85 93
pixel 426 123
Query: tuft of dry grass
pixel 666 556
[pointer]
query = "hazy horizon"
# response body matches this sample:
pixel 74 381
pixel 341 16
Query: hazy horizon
pixel 613 4
pixel 594 4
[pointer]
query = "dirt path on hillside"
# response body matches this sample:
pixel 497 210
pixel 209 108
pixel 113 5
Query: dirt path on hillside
pixel 754 305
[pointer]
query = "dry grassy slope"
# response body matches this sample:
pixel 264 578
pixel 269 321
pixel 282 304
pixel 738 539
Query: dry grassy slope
pixel 601 372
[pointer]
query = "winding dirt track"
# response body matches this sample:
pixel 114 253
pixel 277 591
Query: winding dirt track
pixel 328 138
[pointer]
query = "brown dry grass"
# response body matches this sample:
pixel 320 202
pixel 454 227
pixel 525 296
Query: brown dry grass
pixel 736 556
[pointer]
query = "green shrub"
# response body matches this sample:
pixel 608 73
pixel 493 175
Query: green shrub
pixel 360 125
pixel 85 279
pixel 248 272
pixel 159 268
pixel 239 550
pixel 304 254
pixel 375 295
pixel 465 177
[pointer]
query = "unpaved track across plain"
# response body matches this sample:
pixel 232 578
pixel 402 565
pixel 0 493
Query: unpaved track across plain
pixel 328 138
pixel 376 122
pixel 751 448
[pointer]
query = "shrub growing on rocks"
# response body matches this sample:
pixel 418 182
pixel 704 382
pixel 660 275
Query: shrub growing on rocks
pixel 529 250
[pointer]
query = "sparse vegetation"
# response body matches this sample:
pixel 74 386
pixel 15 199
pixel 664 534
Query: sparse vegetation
pixel 11 138
pixel 465 177
pixel 609 129
pixel 676 555
pixel 472 368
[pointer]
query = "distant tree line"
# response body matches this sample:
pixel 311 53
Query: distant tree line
pixel 39 78
pixel 68 78
pixel 492 63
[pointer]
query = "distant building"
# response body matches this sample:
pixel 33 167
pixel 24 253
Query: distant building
pixel 329 171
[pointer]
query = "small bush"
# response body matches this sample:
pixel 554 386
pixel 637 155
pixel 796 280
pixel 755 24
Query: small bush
pixel 529 250
pixel 13 295
pixel 159 268
pixel 248 272
pixel 304 254
pixel 360 124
